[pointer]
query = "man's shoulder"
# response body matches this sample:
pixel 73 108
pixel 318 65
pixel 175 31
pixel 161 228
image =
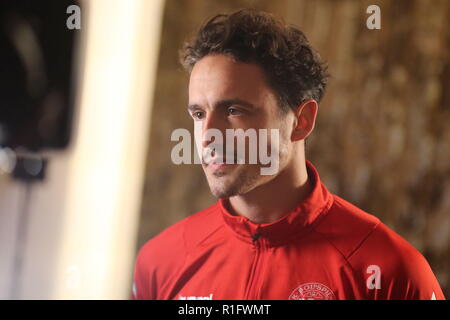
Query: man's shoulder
pixel 184 234
pixel 363 240
pixel 387 249
pixel 164 254
pixel 346 226
pixel 354 231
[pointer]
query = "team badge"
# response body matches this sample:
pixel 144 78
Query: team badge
pixel 312 291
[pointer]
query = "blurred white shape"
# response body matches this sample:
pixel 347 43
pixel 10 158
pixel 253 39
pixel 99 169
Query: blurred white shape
pixel 7 160
pixel 73 277
pixel 107 158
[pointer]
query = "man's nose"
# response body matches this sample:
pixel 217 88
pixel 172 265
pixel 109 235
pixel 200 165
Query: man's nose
pixel 212 124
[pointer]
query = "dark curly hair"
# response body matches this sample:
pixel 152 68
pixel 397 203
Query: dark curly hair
pixel 292 67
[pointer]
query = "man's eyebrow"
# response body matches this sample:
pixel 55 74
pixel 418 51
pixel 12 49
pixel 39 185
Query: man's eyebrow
pixel 230 102
pixel 224 104
pixel 193 107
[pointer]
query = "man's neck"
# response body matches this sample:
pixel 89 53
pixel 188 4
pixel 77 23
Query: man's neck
pixel 275 199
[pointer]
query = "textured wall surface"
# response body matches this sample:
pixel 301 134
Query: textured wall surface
pixel 382 137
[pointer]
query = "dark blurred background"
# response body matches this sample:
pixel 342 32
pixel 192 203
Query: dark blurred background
pixel 36 56
pixel 382 137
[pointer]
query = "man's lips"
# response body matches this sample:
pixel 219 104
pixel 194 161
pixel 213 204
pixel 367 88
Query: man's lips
pixel 217 164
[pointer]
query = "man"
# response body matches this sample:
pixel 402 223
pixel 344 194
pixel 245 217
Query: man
pixel 278 236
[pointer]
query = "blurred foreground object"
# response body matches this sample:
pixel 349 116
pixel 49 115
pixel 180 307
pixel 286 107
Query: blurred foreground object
pixel 72 235
pixel 36 51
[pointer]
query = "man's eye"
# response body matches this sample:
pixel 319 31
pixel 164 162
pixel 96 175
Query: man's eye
pixel 197 115
pixel 234 111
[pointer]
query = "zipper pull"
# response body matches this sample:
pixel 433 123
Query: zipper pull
pixel 256 237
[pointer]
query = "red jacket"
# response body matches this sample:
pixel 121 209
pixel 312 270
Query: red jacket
pixel 326 248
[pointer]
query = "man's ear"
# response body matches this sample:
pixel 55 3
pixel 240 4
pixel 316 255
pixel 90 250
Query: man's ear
pixel 305 116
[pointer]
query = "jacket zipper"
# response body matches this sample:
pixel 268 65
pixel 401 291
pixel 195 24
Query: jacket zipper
pixel 255 267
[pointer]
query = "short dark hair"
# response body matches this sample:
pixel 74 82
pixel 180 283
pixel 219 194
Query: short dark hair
pixel 293 69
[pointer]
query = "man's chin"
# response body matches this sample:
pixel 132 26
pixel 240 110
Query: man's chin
pixel 226 183
pixel 224 193
pixel 222 190
pixel 227 186
pixel 222 185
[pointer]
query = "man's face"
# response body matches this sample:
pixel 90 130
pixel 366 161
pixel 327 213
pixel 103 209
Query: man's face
pixel 225 94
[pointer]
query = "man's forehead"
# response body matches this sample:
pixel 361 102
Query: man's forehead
pixel 220 75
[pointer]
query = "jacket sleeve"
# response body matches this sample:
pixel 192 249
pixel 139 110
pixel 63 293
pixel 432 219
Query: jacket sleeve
pixel 156 263
pixel 141 289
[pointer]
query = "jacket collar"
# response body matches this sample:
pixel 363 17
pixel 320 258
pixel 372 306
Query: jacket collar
pixel 292 224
